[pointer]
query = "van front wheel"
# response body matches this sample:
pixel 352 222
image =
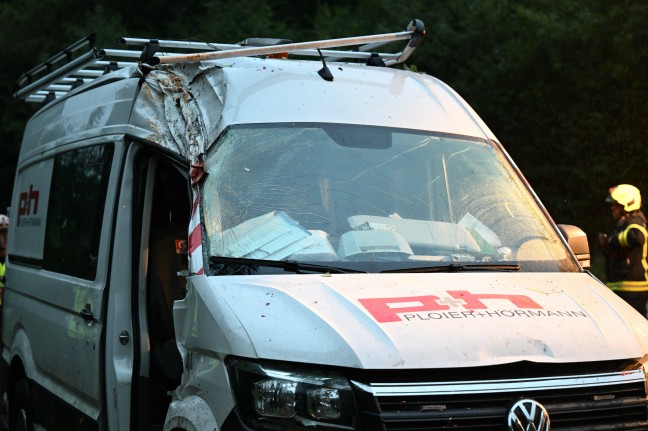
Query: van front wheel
pixel 20 410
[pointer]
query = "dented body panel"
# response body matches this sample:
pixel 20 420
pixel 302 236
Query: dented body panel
pixel 188 106
pixel 314 319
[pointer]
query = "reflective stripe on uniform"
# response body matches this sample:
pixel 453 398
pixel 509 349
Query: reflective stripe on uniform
pixel 623 236
pixel 628 286
pixel 3 270
pixel 633 286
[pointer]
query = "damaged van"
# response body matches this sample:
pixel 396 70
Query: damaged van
pixel 286 236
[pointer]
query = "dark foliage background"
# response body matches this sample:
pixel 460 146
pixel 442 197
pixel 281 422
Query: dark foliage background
pixel 563 84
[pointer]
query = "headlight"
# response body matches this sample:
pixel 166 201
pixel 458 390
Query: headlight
pixel 283 397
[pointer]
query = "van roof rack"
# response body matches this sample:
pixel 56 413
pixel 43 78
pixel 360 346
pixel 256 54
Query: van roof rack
pixel 81 62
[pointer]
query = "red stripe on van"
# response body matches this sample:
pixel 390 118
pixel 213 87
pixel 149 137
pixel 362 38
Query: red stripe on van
pixel 196 202
pixel 194 239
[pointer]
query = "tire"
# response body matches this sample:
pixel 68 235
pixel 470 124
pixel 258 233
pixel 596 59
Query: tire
pixel 20 409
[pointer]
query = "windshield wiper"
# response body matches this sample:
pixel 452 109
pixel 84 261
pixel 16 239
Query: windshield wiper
pixel 460 267
pixel 286 265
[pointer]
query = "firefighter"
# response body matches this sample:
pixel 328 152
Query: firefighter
pixel 4 372
pixel 626 248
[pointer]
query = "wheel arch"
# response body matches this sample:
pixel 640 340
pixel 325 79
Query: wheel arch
pixel 16 374
pixel 190 414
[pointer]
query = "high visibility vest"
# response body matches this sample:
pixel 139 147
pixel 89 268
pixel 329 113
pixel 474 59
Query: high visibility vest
pixel 3 270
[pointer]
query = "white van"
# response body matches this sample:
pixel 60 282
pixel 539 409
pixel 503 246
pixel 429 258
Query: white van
pixel 292 236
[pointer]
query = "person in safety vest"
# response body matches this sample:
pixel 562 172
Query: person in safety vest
pixel 4 372
pixel 4 227
pixel 626 248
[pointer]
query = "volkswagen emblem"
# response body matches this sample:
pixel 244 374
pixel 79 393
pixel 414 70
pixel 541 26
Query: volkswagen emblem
pixel 528 415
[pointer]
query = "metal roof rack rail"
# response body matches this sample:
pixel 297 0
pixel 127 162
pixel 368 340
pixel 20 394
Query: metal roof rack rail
pixel 81 62
pixel 212 51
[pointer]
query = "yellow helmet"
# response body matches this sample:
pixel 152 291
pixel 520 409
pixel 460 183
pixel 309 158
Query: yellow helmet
pixel 625 195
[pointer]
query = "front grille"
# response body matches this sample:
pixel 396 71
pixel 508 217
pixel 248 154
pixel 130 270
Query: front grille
pixel 593 402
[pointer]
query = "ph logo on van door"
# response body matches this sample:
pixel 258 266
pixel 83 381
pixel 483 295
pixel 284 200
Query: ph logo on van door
pixel 28 207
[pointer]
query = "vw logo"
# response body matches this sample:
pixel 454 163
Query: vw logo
pixel 528 415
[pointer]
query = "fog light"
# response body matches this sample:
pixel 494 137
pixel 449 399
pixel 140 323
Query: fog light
pixel 324 403
pixel 275 398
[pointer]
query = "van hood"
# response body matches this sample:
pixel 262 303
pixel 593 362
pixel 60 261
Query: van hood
pixel 380 321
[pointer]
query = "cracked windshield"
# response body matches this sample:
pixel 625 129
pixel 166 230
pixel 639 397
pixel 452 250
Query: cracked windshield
pixel 371 199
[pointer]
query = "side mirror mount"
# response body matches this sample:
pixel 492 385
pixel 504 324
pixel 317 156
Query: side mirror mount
pixel 577 241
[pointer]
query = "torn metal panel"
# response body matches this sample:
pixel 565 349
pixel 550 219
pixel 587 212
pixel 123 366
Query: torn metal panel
pixel 186 106
pixel 181 107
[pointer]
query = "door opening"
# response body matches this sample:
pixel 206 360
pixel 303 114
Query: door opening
pixel 168 220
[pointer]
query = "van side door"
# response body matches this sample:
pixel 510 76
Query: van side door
pixel 53 318
pixel 152 220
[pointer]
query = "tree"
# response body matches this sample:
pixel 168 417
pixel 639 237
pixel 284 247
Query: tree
pixel 562 84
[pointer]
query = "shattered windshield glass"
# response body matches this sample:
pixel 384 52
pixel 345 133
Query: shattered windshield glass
pixel 370 198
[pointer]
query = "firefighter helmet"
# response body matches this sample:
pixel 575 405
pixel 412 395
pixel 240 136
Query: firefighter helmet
pixel 4 222
pixel 625 195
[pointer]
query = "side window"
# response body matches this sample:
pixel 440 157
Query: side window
pixel 75 212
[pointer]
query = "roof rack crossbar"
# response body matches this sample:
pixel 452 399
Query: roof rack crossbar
pixel 87 73
pixel 120 53
pixel 58 87
pixel 71 79
pixel 40 96
pixel 120 64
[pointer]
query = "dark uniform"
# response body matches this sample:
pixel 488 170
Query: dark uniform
pixel 626 265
